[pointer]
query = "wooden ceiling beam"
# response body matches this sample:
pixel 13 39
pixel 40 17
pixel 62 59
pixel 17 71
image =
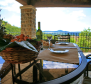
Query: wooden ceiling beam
pixel 23 2
pixel 56 3
pixel 38 6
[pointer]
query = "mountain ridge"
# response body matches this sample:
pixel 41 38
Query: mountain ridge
pixel 61 32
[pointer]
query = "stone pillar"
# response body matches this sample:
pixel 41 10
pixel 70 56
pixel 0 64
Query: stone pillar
pixel 28 21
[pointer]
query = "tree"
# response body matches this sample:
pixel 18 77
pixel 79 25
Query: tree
pixel 85 38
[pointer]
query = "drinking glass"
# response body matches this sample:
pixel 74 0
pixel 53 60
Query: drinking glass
pixel 59 36
pixel 49 37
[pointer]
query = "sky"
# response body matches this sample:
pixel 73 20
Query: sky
pixel 51 18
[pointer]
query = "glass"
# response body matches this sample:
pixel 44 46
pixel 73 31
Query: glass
pixel 59 36
pixel 49 37
pixel 59 68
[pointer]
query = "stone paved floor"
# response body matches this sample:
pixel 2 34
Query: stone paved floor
pixel 27 76
pixel 86 53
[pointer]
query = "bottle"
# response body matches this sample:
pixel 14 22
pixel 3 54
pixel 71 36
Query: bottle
pixel 39 32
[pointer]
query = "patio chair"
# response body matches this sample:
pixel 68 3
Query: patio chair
pixel 88 57
pixel 87 79
pixel 63 38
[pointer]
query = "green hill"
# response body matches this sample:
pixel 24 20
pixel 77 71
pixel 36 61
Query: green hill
pixel 11 29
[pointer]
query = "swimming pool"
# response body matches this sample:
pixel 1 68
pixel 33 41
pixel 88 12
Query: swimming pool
pixel 1 61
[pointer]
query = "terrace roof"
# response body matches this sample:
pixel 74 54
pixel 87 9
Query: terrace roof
pixel 56 3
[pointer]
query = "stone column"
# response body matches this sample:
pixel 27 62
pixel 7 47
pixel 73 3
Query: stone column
pixel 28 21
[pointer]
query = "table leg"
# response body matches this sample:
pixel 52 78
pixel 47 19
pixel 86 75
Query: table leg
pixel 34 74
pixel 41 67
pixel 66 70
pixel 14 69
pixel 12 73
pixel 87 70
pixel 19 70
pixel 41 62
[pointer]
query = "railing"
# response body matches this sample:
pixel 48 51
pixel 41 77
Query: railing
pixel 83 40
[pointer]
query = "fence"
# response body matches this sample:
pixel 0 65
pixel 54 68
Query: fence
pixel 83 40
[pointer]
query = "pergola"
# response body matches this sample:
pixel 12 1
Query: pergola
pixel 56 3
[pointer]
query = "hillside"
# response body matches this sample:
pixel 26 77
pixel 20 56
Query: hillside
pixel 10 28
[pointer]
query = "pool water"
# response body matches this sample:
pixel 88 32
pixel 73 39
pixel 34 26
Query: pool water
pixel 1 61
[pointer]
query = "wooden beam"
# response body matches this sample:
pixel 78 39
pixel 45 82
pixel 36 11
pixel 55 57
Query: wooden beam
pixel 62 6
pixel 56 3
pixel 23 2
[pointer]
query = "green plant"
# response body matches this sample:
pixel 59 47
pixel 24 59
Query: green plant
pixel 2 31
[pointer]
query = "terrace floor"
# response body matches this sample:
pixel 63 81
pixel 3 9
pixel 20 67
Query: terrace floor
pixel 27 76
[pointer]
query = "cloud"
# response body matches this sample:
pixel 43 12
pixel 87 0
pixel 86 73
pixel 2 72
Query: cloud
pixel 5 2
pixel 10 5
pixel 13 9
pixel 14 20
pixel 77 15
pixel 59 19
pixel 56 18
